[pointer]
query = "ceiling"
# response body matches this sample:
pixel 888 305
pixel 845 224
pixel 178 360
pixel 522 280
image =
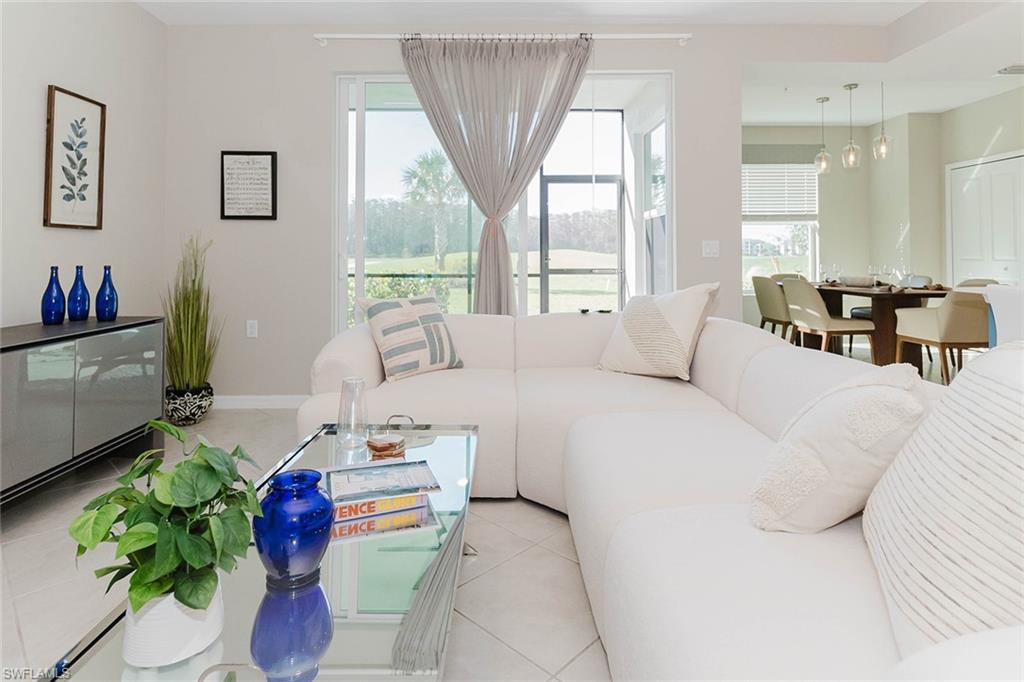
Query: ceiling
pixel 953 69
pixel 428 14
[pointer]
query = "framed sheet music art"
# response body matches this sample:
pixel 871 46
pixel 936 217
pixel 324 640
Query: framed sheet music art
pixel 248 185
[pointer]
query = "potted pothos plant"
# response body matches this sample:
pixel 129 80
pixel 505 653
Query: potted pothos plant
pixel 173 529
pixel 192 338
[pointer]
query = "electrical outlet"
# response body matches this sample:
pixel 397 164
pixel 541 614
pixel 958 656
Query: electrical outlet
pixel 252 328
pixel 710 248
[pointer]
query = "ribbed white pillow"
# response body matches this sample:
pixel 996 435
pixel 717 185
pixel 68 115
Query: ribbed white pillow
pixel 833 452
pixel 945 525
pixel 656 335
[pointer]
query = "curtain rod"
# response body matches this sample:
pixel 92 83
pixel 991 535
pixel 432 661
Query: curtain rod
pixel 323 38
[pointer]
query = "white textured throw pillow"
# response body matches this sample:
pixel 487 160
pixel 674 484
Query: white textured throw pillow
pixel 945 525
pixel 835 450
pixel 656 335
pixel 411 335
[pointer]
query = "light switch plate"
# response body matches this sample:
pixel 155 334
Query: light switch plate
pixel 252 329
pixel 710 248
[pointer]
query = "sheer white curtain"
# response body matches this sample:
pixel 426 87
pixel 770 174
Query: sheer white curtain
pixel 496 105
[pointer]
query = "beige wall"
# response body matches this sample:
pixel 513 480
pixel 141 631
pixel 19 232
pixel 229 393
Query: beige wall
pixel 990 126
pixel 272 87
pixel 116 56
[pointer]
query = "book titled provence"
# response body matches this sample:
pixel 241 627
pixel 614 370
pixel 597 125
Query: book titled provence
pixel 375 481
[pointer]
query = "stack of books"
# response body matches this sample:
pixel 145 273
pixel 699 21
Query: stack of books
pixel 375 499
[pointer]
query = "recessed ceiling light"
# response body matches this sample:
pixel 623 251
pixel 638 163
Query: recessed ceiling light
pixel 1012 70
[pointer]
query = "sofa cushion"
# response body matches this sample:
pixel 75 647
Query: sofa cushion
pixel 698 593
pixel 946 522
pixel 987 655
pixel 617 465
pixel 723 351
pixel 562 339
pixel 833 453
pixel 779 381
pixel 484 397
pixel 550 399
pixel 656 335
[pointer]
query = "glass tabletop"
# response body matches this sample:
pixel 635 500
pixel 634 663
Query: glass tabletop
pixel 381 610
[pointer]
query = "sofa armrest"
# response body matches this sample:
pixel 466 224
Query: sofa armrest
pixel 352 353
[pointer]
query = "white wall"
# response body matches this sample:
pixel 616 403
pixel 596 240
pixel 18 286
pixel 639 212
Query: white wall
pixel 115 54
pixel 272 87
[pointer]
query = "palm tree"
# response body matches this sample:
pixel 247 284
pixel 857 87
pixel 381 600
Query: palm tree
pixel 431 180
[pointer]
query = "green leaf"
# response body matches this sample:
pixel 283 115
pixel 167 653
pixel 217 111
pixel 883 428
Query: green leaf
pixel 91 527
pixel 196 589
pixel 169 429
pixel 139 593
pixel 69 176
pixel 194 549
pixel 237 531
pixel 252 502
pixel 193 483
pixel 162 489
pixel 216 530
pixel 221 462
pixel 79 552
pixel 239 453
pixel 119 575
pixel 226 562
pixel 166 558
pixel 107 570
pixel 135 538
pixel 141 513
pixel 162 508
pixel 137 469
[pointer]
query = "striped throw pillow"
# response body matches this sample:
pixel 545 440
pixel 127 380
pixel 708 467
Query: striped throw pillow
pixel 656 335
pixel 411 335
pixel 945 525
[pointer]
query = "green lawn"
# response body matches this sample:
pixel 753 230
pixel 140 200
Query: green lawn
pixel 765 266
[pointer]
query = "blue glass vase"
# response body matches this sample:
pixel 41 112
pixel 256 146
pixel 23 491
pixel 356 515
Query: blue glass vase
pixel 53 300
pixel 78 298
pixel 295 529
pixel 106 298
pixel 291 633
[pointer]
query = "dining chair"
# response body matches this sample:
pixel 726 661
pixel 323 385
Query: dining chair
pixel 779 276
pixel 863 312
pixel 978 282
pixel 960 322
pixel 809 315
pixel 771 301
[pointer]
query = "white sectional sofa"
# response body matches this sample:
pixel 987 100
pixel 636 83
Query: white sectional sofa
pixel 655 476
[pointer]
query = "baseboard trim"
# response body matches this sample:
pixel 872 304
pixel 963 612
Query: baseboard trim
pixel 257 402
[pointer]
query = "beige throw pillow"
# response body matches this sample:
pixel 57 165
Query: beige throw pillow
pixel 656 335
pixel 832 454
pixel 411 335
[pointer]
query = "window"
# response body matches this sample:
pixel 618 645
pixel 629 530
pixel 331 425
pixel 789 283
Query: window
pixel 780 220
pixel 656 237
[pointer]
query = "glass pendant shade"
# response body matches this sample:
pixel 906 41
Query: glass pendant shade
pixel 881 147
pixel 851 155
pixel 823 162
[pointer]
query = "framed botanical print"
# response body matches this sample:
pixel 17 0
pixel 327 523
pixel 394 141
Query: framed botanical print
pixel 248 185
pixel 73 189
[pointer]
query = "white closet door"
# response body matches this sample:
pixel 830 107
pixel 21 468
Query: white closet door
pixel 987 221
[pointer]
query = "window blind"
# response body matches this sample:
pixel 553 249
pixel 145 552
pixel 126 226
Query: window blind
pixel 773 191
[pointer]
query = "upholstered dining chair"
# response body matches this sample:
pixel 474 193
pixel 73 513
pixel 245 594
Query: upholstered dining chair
pixel 960 322
pixel 779 276
pixel 977 282
pixel 809 315
pixel 771 301
pixel 863 312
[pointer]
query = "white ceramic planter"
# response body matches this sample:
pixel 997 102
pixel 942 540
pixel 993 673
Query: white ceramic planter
pixel 166 631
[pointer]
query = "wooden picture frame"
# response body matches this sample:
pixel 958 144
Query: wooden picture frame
pixel 248 185
pixel 73 186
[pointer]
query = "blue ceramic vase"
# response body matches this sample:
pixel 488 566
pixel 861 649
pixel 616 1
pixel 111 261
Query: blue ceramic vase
pixel 291 633
pixel 106 298
pixel 78 298
pixel 295 529
pixel 52 308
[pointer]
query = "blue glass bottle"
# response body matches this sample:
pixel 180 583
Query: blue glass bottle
pixel 78 298
pixel 106 298
pixel 295 529
pixel 52 308
pixel 291 633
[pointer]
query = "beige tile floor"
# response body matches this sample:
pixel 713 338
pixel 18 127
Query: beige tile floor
pixel 521 611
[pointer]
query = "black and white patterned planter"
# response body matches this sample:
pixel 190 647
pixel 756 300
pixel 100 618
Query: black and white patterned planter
pixel 184 407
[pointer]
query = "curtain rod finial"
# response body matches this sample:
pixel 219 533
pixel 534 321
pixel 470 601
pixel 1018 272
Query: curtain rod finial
pixel 321 41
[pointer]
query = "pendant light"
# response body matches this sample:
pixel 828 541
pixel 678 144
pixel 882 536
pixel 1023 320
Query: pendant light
pixel 823 160
pixel 851 152
pixel 883 143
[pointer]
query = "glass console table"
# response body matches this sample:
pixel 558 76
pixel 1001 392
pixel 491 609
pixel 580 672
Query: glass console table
pixel 382 609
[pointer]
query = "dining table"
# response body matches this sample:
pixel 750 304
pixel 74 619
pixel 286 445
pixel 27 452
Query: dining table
pixel 885 300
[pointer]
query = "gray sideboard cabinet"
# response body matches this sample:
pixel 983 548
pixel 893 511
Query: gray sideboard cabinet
pixel 74 392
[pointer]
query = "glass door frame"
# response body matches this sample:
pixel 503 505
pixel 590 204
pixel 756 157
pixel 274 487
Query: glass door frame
pixel 545 234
